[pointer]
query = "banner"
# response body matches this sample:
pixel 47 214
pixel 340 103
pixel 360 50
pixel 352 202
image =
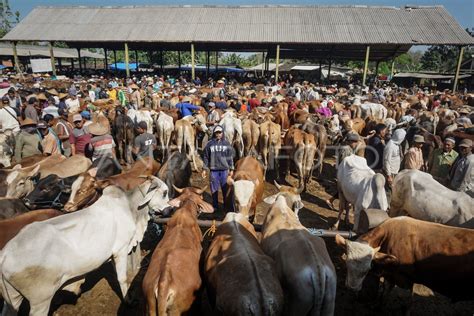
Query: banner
pixel 41 65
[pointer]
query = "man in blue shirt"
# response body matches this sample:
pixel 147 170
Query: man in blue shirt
pixel 185 107
pixel 218 159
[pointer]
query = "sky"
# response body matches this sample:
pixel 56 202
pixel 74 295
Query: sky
pixel 461 10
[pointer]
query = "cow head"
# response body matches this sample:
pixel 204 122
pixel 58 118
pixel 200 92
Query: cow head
pixel 83 190
pixel 359 257
pixel 155 195
pixel 193 194
pixel 291 195
pixel 200 122
pixel 244 195
pixel 20 181
pixel 46 192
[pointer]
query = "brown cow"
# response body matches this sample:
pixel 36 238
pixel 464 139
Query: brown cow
pixel 84 189
pixel 173 276
pixel 298 117
pixel 241 279
pixel 10 227
pixel 269 143
pixel 301 149
pixel 409 251
pixel 247 184
pixel 185 139
pixel 250 135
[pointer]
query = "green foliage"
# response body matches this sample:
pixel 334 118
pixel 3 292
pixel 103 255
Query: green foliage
pixel 8 19
pixel 443 58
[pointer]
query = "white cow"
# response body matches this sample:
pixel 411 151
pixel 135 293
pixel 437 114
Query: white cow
pixel 376 110
pixel 164 129
pixel 233 131
pixel 7 144
pixel 417 194
pixel 141 115
pixel 360 186
pixel 47 256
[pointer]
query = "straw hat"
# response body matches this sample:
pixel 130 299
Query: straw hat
pixel 418 139
pixel 28 122
pixel 42 96
pixel 134 86
pixel 62 95
pixel 52 91
pixel 186 99
pixel 97 129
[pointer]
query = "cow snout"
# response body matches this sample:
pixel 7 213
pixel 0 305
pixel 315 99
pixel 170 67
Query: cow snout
pixel 69 207
pixel 167 211
pixel 28 203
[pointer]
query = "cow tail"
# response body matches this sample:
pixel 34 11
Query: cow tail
pixel 164 295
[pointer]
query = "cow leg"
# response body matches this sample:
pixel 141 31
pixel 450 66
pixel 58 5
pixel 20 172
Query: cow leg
pixel 8 310
pixel 40 309
pixel 342 206
pixel 120 260
pixel 75 287
pixel 134 259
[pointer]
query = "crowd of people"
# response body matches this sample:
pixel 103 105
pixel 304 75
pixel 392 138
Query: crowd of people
pixel 47 121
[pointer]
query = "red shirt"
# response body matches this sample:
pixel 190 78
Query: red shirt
pixel 254 103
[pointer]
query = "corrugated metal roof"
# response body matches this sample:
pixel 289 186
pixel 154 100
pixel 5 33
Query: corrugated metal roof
pixel 243 24
pixel 36 50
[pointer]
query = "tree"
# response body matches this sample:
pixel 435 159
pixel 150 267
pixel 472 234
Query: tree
pixel 443 58
pixel 8 19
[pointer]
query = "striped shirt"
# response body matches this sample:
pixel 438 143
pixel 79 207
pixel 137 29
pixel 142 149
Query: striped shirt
pixel 102 146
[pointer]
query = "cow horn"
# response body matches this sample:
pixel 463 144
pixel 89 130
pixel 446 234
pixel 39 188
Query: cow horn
pixel 277 185
pixel 201 191
pixel 178 189
pixel 300 189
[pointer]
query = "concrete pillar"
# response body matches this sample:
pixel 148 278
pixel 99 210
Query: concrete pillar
pixel 193 71
pixel 458 68
pixel 51 54
pixel 277 62
pixel 16 61
pixel 127 68
pixel 366 65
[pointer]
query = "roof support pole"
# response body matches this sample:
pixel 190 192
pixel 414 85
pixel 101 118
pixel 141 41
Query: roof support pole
pixel 193 71
pixel 377 70
pixel 60 64
pixel 53 62
pixel 161 60
pixel 127 68
pixel 79 59
pixel 366 64
pixel 136 60
pixel 72 63
pixel 329 71
pixel 115 59
pixel 217 61
pixel 263 64
pixel 208 61
pixel 277 63
pixel 320 70
pixel 95 63
pixel 392 70
pixel 15 59
pixel 106 61
pixel 179 61
pixel 458 68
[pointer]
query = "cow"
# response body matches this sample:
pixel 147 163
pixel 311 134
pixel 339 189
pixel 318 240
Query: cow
pixel 240 278
pixel 361 186
pixel 233 132
pixel 176 172
pixel 269 144
pixel 38 159
pixel 164 130
pixel 7 145
pixel 185 138
pixel 417 194
pixel 10 227
pixel 173 276
pixel 250 135
pixel 115 224
pixel 138 116
pixel 320 137
pixel 84 189
pixel 301 150
pixel 72 166
pixel 408 251
pixel 247 184
pixel 10 207
pixel 124 133
pixel 308 276
pixel 54 191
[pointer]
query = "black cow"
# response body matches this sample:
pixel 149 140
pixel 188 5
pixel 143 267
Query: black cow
pixel 11 207
pixel 54 192
pixel 176 171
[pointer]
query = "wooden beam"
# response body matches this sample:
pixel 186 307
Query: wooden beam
pixel 458 68
pixel 193 71
pixel 53 62
pixel 127 68
pixel 106 61
pixel 392 70
pixel 277 63
pixel 79 58
pixel 366 65
pixel 115 58
pixel 15 59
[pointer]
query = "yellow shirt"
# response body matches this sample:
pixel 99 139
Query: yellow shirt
pixel 112 94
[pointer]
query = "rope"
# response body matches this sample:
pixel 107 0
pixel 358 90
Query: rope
pixel 211 230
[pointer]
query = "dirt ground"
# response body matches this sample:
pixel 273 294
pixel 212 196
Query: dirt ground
pixel 99 293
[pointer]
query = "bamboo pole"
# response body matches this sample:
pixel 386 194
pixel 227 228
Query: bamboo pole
pixel 127 68
pixel 193 70
pixel 458 68
pixel 277 63
pixel 366 65
pixel 53 62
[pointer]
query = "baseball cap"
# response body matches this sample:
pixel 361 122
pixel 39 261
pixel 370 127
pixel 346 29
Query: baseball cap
pixel 465 143
pixel 77 118
pixel 450 139
pixel 419 139
pixel 352 137
pixel 218 128
pixel 142 125
pixel 42 125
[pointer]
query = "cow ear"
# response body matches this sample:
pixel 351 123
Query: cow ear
pixel 100 185
pixel 385 259
pixel 93 172
pixel 16 167
pixel 175 202
pixel 341 241
pixel 205 207
pixel 270 199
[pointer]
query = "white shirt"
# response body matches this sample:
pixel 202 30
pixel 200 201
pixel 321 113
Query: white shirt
pixel 8 121
pixel 92 95
pixel 73 105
